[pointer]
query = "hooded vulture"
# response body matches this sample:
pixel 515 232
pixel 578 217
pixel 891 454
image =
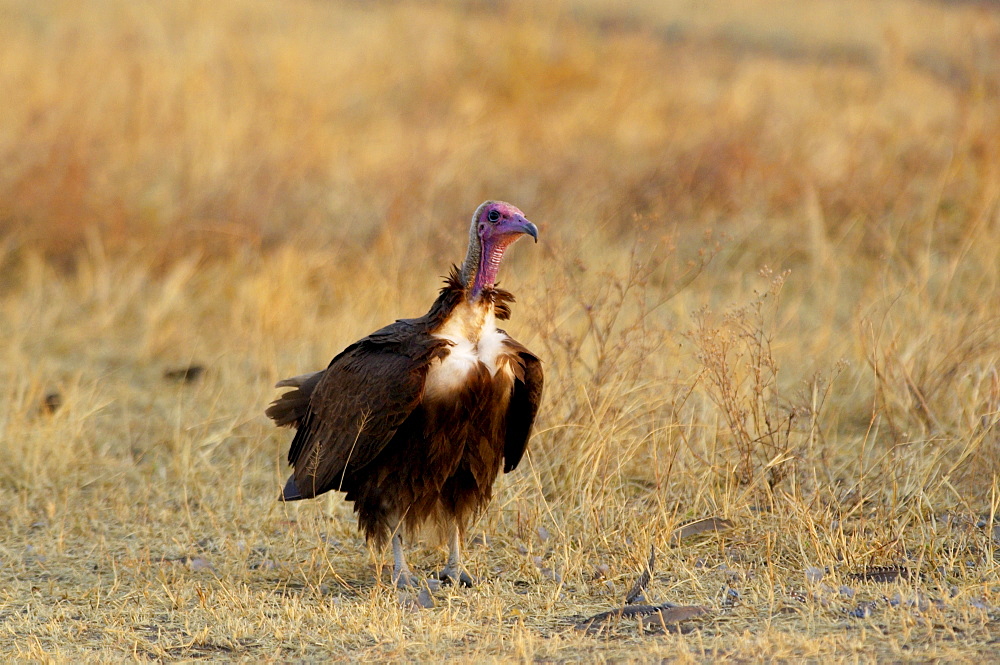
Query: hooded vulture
pixel 415 421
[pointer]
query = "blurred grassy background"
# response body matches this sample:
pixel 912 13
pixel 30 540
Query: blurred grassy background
pixel 767 287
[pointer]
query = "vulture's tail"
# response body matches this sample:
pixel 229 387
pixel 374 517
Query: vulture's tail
pixel 291 491
pixel 289 409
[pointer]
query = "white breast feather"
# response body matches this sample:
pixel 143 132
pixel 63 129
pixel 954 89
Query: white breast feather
pixel 449 374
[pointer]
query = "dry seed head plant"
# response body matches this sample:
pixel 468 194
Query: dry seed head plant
pixel 766 298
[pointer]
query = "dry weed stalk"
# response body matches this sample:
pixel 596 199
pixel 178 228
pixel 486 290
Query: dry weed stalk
pixel 740 376
pixel 606 340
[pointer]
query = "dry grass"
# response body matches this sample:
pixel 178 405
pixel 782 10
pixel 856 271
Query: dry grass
pixel 767 289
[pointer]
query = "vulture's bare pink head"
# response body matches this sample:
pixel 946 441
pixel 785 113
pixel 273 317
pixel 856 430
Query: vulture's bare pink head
pixel 495 227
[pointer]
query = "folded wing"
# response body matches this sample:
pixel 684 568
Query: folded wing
pixel 523 406
pixel 355 408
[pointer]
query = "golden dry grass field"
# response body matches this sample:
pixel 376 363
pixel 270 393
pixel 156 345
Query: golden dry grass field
pixel 767 290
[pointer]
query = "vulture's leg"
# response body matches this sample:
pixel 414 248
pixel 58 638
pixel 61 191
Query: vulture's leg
pixel 453 571
pixel 401 575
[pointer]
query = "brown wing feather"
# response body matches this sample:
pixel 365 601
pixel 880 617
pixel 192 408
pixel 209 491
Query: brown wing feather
pixel 365 394
pixel 523 407
pixel 292 407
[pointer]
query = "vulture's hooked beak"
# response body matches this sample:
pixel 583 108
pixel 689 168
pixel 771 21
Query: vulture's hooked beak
pixel 528 227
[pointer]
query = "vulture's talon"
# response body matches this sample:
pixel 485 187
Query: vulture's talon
pixel 449 576
pixel 406 580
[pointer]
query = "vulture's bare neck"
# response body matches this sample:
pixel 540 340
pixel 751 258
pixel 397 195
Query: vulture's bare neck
pixel 481 265
pixel 471 265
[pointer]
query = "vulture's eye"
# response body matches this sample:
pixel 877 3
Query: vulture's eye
pixel 494 216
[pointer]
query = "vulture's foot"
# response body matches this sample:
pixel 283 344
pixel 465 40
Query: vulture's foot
pixel 404 579
pixel 450 576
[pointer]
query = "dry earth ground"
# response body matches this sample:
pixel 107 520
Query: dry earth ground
pixel 767 290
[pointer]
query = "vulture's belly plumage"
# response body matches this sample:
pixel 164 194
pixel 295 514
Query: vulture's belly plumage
pixel 444 459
